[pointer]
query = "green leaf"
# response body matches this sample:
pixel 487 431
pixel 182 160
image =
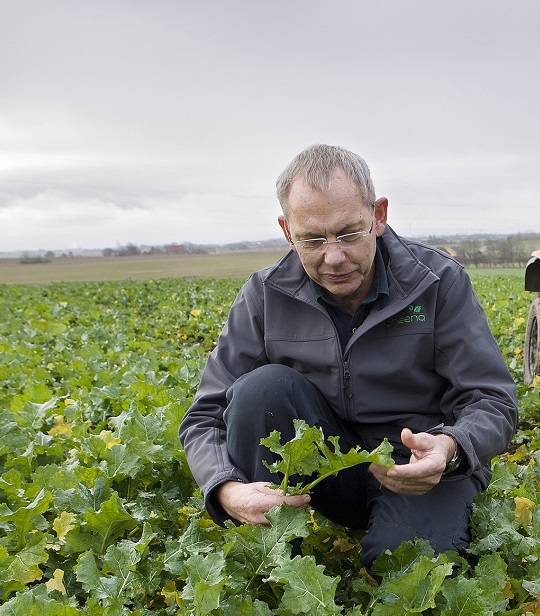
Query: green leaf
pixel 192 541
pixel 532 587
pixel 503 478
pixel 206 578
pixel 491 573
pixel 206 597
pixel 118 582
pixel 26 519
pixel 89 575
pixel 465 597
pixel 299 456
pixel 335 461
pixel 36 602
pixel 259 548
pixel 111 521
pixel 307 453
pixel 417 590
pixel 90 492
pixel 401 561
pixel 122 461
pixel 24 566
pixel 307 590
pixel 495 528
pixel 412 577
pixel 244 606
pixel 120 561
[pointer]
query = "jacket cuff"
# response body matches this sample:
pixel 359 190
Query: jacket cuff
pixel 469 459
pixel 215 510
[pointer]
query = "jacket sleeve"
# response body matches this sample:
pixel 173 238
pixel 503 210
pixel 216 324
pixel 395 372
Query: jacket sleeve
pixel 239 350
pixel 480 400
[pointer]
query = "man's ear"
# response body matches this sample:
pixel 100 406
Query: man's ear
pixel 285 228
pixel 381 215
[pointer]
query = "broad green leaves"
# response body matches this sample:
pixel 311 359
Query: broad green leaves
pixel 99 514
pixel 307 589
pixel 95 380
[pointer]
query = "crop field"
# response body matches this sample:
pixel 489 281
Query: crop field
pixel 139 267
pixel 99 514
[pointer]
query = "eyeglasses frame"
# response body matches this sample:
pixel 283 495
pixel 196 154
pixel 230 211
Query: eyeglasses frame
pixel 303 244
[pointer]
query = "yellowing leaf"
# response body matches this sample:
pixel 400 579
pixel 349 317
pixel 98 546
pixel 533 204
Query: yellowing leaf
pixel 507 590
pixel 61 426
pixel 56 582
pixel 313 522
pixel 524 510
pixel 343 544
pixel 107 437
pixel 195 313
pixel 31 574
pixel 170 594
pixel 63 524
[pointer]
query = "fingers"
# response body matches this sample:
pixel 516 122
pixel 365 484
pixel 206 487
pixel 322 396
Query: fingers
pixel 425 467
pixel 404 482
pixel 248 502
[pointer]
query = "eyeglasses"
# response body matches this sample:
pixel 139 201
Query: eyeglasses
pixel 317 243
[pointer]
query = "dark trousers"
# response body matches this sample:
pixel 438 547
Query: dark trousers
pixel 270 397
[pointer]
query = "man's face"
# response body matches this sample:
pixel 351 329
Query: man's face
pixel 344 270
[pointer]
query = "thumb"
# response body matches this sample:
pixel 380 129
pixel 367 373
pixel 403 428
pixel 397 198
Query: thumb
pixel 419 442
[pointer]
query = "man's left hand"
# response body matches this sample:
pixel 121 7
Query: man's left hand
pixel 430 454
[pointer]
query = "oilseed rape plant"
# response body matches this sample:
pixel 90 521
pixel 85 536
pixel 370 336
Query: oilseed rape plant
pixel 99 513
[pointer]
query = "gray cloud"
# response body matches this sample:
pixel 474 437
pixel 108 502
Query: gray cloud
pixel 169 121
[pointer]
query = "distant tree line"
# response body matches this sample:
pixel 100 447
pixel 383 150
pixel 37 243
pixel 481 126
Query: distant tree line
pixel 470 250
pixel 500 251
pixel 27 258
pixel 130 250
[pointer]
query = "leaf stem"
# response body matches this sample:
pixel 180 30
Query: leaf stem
pixel 307 488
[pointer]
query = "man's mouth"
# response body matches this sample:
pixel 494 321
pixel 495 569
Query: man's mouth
pixel 337 277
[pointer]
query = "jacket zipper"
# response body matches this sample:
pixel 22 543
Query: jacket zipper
pixel 346 374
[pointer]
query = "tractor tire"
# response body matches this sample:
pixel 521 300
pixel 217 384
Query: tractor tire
pixel 531 367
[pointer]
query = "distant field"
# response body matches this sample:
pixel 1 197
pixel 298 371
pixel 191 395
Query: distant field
pixel 90 269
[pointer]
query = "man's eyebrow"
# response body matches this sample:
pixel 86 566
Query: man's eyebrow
pixel 352 225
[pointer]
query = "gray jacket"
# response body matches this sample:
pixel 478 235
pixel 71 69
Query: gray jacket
pixel 424 358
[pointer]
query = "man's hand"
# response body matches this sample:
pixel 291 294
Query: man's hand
pixel 429 455
pixel 248 502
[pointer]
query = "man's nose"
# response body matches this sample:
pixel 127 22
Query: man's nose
pixel 334 253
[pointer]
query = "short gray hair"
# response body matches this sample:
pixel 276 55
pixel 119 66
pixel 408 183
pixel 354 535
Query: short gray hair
pixel 317 164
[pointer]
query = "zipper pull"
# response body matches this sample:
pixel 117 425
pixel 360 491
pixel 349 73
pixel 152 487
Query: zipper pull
pixel 346 374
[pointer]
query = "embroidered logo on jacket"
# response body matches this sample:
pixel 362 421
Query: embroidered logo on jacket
pixel 412 314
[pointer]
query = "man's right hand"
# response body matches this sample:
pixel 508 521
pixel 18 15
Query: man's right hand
pixel 248 502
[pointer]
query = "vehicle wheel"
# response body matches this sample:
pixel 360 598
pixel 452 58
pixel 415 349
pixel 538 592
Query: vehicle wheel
pixel 532 343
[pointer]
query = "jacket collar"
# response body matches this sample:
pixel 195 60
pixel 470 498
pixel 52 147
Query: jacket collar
pixel 405 271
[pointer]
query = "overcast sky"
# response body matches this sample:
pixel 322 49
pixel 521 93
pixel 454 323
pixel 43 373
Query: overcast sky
pixel 163 121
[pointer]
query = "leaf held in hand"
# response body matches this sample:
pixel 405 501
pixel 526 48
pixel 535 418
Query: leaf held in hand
pixel 308 453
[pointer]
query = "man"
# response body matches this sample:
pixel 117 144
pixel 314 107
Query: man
pixel 366 335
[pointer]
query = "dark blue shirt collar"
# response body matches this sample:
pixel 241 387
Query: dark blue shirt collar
pixel 345 323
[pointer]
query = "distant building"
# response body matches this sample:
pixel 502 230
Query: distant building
pixel 175 249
